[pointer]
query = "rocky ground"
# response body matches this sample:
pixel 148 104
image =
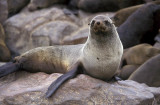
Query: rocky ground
pixel 29 89
pixel 27 24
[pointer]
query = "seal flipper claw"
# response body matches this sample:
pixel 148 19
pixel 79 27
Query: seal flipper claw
pixel 117 78
pixel 69 75
pixel 8 68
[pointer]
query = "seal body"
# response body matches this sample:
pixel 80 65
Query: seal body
pixel 52 59
pixel 138 27
pixel 103 50
pixel 148 72
pixel 99 57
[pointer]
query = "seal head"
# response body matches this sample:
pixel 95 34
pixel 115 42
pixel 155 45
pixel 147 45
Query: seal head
pixel 101 25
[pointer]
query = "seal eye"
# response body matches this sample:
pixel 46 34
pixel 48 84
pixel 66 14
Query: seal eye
pixel 106 22
pixel 92 23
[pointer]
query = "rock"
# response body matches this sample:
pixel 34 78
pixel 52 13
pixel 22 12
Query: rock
pixel 128 3
pixel 28 30
pixel 4 52
pixel 78 37
pixel 3 11
pixel 29 88
pixel 39 4
pixel 157 45
pixel 60 28
pixel 98 5
pixel 15 6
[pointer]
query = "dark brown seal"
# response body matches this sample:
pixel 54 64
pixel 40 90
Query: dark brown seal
pixel 139 27
pixel 121 16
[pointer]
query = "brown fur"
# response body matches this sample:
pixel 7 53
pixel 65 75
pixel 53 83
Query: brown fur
pixel 148 73
pixel 121 16
pixel 126 71
pixel 4 52
pixel 140 27
pixel 134 57
pixel 137 55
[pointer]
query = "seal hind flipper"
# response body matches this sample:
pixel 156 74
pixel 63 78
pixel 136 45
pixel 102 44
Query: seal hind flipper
pixel 8 68
pixel 73 72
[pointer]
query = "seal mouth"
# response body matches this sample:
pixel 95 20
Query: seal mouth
pixel 99 29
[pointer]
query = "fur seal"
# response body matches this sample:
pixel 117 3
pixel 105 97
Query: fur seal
pixel 138 54
pixel 99 57
pixel 121 16
pixel 139 27
pixel 134 57
pixel 126 71
pixel 5 55
pixel 148 73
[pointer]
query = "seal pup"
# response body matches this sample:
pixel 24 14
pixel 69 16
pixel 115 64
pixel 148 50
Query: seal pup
pixel 99 57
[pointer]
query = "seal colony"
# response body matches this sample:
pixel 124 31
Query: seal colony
pixel 99 57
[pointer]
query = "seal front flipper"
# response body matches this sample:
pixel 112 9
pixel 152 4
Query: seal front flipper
pixel 8 68
pixel 73 72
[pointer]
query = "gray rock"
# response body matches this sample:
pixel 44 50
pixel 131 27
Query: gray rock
pixel 55 30
pixel 29 89
pixel 98 5
pixel 28 30
pixel 39 4
pixel 78 37
pixel 157 45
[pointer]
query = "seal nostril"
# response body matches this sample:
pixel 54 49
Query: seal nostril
pixel 98 23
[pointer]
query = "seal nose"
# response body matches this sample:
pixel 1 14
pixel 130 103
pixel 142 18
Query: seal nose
pixel 98 23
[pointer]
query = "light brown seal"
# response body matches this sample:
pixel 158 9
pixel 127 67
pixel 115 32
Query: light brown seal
pixel 134 57
pixel 148 73
pixel 99 57
pixel 5 55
